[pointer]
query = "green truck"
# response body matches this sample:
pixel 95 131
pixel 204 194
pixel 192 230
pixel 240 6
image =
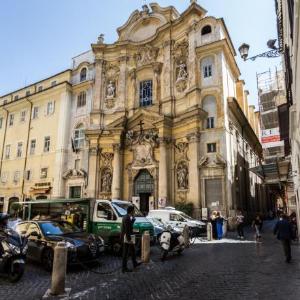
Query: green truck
pixel 103 217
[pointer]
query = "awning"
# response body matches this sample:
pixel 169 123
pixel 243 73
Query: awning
pixel 275 172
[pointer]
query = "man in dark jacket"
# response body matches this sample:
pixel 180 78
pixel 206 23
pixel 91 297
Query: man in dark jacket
pixel 128 239
pixel 283 230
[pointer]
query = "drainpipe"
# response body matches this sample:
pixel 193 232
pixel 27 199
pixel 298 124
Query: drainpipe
pixel 4 138
pixel 26 150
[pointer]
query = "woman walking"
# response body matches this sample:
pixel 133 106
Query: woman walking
pixel 219 224
pixel 257 225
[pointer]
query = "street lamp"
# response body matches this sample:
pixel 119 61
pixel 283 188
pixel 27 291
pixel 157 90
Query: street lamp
pixel 274 52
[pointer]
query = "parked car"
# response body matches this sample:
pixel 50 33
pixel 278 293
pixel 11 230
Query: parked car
pixel 176 218
pixel 43 236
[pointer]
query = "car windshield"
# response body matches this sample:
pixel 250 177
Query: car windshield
pixel 121 209
pixel 58 228
pixel 156 222
pixel 186 216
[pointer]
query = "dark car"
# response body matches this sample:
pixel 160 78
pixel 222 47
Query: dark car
pixel 43 236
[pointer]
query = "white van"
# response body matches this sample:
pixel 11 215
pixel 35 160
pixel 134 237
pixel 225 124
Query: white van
pixel 176 218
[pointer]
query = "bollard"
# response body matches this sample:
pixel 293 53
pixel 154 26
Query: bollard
pixel 186 236
pixel 209 231
pixel 146 247
pixel 59 269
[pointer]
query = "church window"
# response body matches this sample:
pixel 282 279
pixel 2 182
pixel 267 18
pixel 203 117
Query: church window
pixel 83 74
pixel 79 137
pixel 206 30
pixel 81 99
pixel 146 93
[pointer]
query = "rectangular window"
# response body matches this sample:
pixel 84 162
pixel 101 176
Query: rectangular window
pixel 19 149
pixel 1 122
pixel 7 151
pixel 146 93
pixel 211 147
pixel 207 71
pixel 75 191
pixel 23 116
pixel 16 176
pixel 44 173
pixel 32 146
pixel 47 144
pixel 81 99
pixel 35 112
pixel 210 122
pixel 53 83
pixel 16 97
pixel 28 175
pixel 11 120
pixel 77 164
pixel 27 93
pixel 213 192
pixel 50 108
pixel 40 88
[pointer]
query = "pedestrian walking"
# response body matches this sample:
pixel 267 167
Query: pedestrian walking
pixel 214 224
pixel 219 224
pixel 240 224
pixel 283 230
pixel 128 240
pixel 257 225
pixel 293 221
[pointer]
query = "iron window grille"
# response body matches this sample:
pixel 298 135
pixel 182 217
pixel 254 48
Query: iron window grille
pixel 146 93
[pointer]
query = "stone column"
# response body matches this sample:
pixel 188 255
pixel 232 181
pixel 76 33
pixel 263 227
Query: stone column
pixel 194 172
pixel 122 82
pixel 98 84
pixel 116 181
pixel 93 170
pixel 163 172
pixel 192 59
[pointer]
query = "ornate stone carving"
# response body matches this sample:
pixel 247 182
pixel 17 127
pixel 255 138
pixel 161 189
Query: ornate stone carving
pixel 182 175
pixel 106 159
pixel 146 55
pixel 142 143
pixel 110 90
pixel 100 40
pixel 106 180
pixel 180 54
pixel 181 150
pixel 193 137
pixel 112 72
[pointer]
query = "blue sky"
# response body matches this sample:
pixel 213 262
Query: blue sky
pixel 38 38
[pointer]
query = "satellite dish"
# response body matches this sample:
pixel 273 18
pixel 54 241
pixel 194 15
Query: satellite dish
pixel 271 44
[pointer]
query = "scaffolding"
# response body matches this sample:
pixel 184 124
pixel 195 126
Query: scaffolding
pixel 271 94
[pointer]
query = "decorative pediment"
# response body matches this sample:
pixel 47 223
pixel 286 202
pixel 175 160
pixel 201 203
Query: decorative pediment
pixel 216 161
pixel 74 173
pixel 144 24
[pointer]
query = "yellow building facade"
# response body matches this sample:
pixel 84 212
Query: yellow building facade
pixel 166 121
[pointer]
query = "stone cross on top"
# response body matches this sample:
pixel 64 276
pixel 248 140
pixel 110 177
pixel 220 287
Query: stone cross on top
pixel 141 123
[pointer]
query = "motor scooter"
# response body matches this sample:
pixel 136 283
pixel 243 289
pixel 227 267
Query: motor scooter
pixel 13 249
pixel 171 241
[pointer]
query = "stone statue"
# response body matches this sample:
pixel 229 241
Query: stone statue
pixel 100 39
pixel 182 176
pixel 110 91
pixel 182 73
pixel 106 181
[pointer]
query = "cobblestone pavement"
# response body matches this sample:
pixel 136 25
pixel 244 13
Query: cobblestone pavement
pixel 205 271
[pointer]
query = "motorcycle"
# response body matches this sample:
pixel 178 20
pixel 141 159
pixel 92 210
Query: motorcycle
pixel 171 241
pixel 13 248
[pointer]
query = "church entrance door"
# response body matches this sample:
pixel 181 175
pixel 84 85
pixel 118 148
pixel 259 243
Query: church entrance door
pixel 143 188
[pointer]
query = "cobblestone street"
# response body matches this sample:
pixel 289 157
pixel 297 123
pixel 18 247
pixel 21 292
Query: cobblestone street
pixel 205 271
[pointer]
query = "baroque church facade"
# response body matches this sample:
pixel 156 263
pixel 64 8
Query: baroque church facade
pixel 166 115
pixel 159 117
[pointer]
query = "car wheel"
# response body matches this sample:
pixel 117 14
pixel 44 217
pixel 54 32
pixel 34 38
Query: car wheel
pixel 47 259
pixel 116 247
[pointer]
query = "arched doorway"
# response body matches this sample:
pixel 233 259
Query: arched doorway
pixel 143 188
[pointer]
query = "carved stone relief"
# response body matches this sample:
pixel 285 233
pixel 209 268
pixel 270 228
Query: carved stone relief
pixel 112 72
pixel 182 175
pixel 106 172
pixel 146 55
pixel 180 54
pixel 142 144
